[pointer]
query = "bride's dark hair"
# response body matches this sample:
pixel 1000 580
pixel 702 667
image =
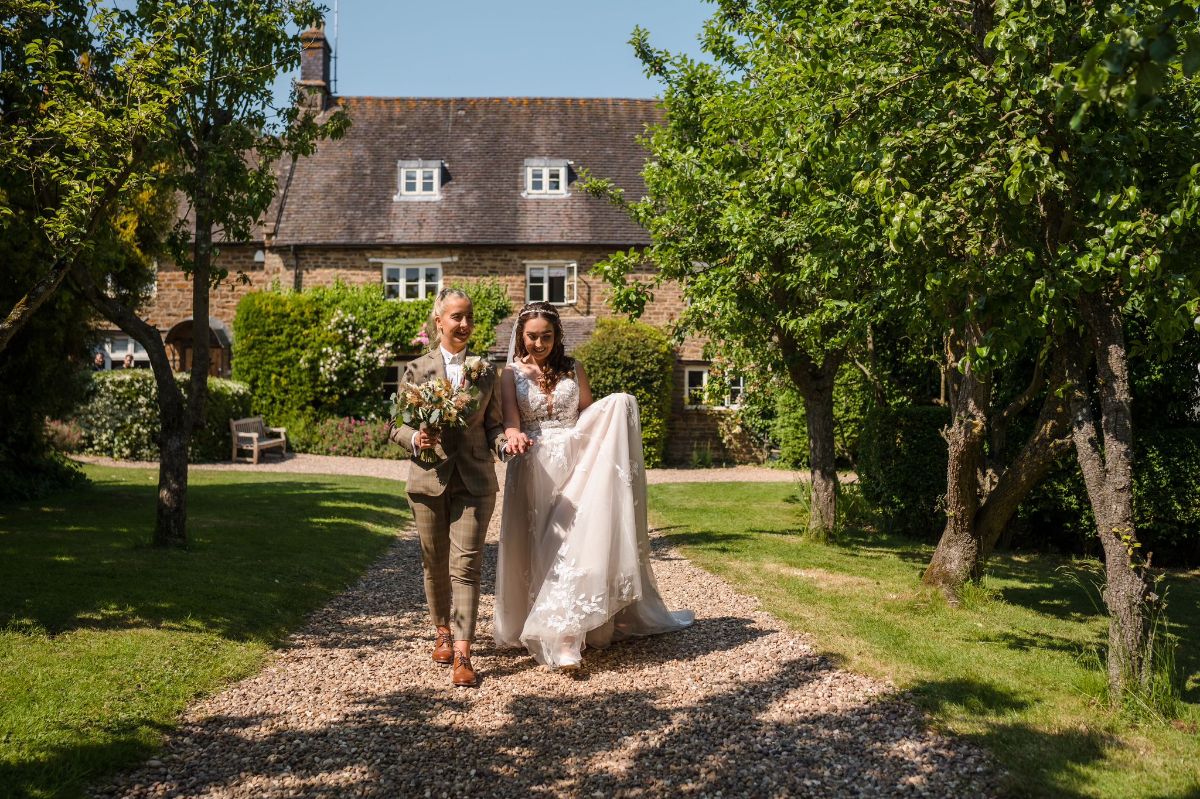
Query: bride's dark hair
pixel 558 364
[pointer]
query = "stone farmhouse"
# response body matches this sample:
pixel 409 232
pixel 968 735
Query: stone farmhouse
pixel 423 192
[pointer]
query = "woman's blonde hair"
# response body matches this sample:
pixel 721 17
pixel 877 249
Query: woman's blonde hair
pixel 439 305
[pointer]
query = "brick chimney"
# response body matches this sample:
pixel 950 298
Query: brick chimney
pixel 314 68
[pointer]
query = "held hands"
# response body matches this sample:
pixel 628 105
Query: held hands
pixel 517 442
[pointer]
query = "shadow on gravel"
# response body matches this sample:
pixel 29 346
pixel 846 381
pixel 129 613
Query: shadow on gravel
pixel 738 741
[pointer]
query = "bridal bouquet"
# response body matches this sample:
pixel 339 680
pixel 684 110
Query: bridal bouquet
pixel 433 406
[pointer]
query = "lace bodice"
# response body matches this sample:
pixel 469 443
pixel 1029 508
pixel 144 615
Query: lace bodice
pixel 539 411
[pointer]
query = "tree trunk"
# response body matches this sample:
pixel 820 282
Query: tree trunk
pixel 1045 445
pixel 818 406
pixel 956 558
pixel 201 277
pixel 170 523
pixel 170 528
pixel 997 491
pixel 815 383
pixel 1105 454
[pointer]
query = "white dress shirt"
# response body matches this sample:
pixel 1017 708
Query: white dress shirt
pixel 454 365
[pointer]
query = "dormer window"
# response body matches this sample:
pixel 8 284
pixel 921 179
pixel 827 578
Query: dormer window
pixel 419 180
pixel 546 177
pixel 546 180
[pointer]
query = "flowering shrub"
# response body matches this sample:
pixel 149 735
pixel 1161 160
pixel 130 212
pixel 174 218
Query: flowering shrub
pixel 317 353
pixel 120 417
pixel 348 363
pixel 321 353
pixel 64 436
pixel 347 436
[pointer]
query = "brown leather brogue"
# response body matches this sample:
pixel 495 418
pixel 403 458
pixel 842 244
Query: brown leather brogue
pixel 463 675
pixel 443 647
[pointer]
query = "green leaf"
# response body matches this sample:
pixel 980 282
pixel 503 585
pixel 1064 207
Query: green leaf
pixel 1079 115
pixel 1191 57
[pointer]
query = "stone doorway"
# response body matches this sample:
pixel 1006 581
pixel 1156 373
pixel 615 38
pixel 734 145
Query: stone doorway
pixel 179 343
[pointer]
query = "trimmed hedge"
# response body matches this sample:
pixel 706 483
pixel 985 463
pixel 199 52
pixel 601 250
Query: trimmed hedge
pixel 902 467
pixel 491 303
pixel 303 361
pixel 320 354
pixel 638 359
pixel 120 417
pixel 1166 502
pixel 789 429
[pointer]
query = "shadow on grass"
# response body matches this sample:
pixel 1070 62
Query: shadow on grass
pixel 62 771
pixel 1183 601
pixel 1041 763
pixel 703 539
pixel 1026 641
pixel 1046 760
pixel 263 553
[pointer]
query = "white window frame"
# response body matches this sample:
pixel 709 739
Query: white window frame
pixel 727 404
pixel 543 173
pixel 131 347
pixel 740 383
pixel 401 265
pixel 687 386
pixel 420 170
pixel 570 283
pixel 544 166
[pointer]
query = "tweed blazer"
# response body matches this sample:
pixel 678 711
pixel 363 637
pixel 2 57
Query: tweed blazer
pixel 467 449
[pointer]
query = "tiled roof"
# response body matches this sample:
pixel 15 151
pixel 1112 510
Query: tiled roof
pixel 343 194
pixel 576 330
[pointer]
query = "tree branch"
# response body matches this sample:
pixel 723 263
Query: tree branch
pixel 41 291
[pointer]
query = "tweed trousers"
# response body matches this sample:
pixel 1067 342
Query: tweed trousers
pixel 452 528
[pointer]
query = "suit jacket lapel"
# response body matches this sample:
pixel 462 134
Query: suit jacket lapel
pixel 437 364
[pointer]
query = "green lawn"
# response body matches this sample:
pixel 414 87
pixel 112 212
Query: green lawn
pixel 104 640
pixel 1015 670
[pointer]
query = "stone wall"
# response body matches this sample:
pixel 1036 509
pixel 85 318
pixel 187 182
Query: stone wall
pixel 172 299
pixel 691 429
pixel 694 432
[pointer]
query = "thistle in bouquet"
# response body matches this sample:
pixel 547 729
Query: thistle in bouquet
pixel 434 406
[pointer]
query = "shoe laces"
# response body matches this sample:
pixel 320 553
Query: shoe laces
pixel 446 638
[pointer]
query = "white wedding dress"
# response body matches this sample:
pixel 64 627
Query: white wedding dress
pixel 574 561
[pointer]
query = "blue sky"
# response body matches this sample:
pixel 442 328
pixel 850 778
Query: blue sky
pixel 547 48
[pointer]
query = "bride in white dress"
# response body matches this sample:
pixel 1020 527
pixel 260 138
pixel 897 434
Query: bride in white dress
pixel 574 564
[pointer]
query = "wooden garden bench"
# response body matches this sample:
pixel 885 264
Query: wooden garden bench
pixel 252 434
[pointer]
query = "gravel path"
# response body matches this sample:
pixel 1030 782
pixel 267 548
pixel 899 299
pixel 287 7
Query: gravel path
pixel 734 706
pixel 398 470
